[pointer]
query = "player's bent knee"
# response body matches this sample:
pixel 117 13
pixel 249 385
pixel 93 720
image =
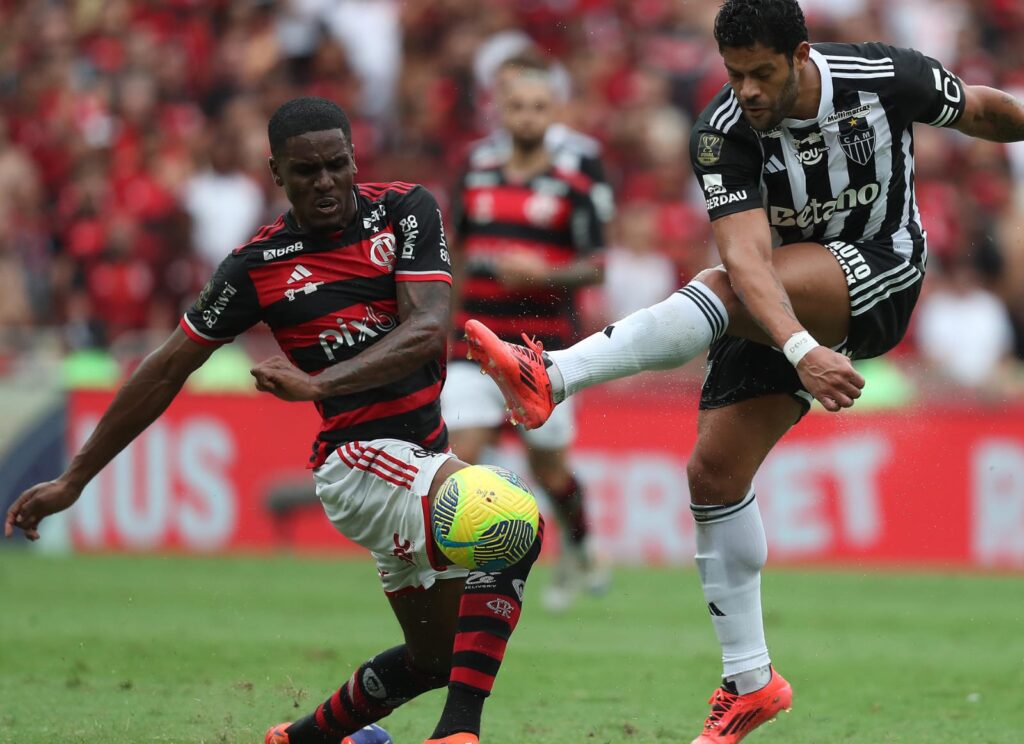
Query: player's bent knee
pixel 712 483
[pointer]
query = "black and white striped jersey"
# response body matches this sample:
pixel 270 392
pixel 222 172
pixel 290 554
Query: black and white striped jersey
pixel 847 174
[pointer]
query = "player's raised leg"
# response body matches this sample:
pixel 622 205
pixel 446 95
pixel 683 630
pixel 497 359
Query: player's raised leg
pixel 662 336
pixel 665 335
pixel 731 551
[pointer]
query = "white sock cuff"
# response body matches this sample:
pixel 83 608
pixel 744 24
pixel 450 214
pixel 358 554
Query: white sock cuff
pixel 710 305
pixel 713 513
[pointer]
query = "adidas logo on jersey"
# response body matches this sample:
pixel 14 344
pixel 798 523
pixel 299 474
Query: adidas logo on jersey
pixel 273 253
pixel 774 165
pixel 300 273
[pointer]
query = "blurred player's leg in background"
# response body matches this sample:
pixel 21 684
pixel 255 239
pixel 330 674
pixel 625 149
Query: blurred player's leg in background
pixel 580 563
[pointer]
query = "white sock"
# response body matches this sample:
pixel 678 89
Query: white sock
pixel 731 550
pixel 662 336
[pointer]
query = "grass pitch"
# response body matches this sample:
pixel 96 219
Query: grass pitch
pixel 114 649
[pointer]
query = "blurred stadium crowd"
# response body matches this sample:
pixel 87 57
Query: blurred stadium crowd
pixel 133 148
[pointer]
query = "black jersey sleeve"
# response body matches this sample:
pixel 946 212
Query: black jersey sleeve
pixel 422 248
pixel 226 306
pixel 728 168
pixel 928 92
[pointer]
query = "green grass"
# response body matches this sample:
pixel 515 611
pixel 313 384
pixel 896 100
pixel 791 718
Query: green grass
pixel 108 649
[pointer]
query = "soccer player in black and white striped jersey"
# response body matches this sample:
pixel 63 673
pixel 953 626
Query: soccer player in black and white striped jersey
pixel 806 162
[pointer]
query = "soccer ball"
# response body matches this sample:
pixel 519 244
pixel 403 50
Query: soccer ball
pixel 485 518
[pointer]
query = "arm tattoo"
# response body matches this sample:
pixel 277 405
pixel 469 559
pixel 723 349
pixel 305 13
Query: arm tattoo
pixel 1004 122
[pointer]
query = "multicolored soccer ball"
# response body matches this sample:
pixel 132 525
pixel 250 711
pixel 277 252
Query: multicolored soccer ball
pixel 485 518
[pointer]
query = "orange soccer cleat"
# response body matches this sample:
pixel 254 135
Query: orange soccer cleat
pixel 734 716
pixel 372 734
pixel 518 370
pixel 455 739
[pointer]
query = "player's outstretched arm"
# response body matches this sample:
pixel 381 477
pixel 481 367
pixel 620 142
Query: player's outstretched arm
pixel 421 337
pixel 138 403
pixel 991 114
pixel 744 244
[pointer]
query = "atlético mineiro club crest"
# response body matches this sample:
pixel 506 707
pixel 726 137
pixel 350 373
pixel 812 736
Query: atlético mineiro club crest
pixel 857 139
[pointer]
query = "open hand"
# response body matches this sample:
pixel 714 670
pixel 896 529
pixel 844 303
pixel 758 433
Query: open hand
pixel 278 376
pixel 830 378
pixel 38 502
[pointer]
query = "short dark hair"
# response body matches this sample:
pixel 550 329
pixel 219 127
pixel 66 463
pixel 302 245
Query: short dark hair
pixel 776 24
pixel 307 114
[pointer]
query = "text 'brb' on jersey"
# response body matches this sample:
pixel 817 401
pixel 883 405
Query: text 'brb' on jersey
pixel 552 216
pixel 328 298
pixel 847 174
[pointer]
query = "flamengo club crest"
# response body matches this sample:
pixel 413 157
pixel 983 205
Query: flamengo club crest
pixel 382 250
pixel 857 139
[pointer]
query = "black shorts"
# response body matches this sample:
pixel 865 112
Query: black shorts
pixel 884 288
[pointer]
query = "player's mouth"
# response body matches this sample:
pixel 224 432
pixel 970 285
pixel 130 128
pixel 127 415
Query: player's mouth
pixel 327 206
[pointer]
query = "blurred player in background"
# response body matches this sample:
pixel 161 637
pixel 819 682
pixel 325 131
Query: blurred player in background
pixel 354 281
pixel 808 150
pixel 528 234
pixel 571 151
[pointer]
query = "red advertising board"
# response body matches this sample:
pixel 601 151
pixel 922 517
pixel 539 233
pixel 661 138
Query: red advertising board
pixel 918 487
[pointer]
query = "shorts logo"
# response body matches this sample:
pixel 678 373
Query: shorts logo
pixel 709 149
pixel 851 260
pixel 382 250
pixel 402 549
pixel 857 139
pixel 501 607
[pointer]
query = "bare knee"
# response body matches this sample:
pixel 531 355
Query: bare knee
pixel 712 482
pixel 717 280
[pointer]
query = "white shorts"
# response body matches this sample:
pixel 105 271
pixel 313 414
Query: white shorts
pixel 471 400
pixel 376 494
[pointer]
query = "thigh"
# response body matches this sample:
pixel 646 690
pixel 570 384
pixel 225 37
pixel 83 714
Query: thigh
pixel 817 288
pixel 732 442
pixel 429 619
pixel 378 494
pixel 469 444
pixel 470 400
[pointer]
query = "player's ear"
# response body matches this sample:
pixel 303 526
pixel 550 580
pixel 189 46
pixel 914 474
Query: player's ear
pixel 274 172
pixel 355 167
pixel 802 55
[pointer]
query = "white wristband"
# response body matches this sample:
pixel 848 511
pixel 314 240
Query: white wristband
pixel 798 345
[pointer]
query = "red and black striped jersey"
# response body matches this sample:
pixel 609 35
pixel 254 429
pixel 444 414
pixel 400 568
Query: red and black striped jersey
pixel 551 215
pixel 326 298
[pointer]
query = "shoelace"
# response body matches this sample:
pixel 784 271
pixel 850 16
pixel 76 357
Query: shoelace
pixel 721 703
pixel 534 345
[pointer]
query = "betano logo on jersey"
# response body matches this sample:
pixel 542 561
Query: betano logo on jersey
pixel 817 212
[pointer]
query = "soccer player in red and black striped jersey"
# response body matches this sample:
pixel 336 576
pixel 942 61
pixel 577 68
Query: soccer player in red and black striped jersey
pixel 354 281
pixel 529 234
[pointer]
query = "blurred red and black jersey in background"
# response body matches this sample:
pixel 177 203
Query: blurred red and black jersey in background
pixel 326 298
pixel 553 216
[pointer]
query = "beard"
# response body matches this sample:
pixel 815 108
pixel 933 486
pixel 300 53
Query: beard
pixel 783 105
